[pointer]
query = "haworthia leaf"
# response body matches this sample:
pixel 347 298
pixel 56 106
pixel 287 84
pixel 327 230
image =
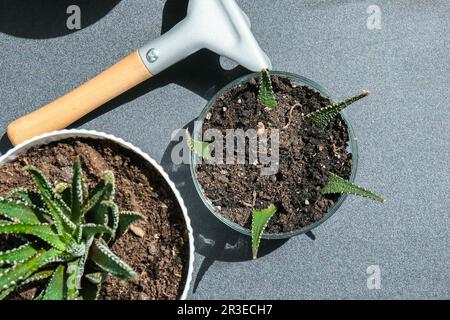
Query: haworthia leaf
pixel 35 277
pixel 56 286
pixel 22 271
pixel 6 292
pixel 72 283
pixel 92 229
pixel 56 206
pixel 103 191
pixel 95 277
pixel 260 219
pixel 62 222
pixel 112 210
pixel 44 232
pixel 18 211
pixel 77 191
pixel 126 218
pixel 324 115
pixel 64 191
pixel 266 96
pixel 46 189
pixel 201 148
pixel 29 197
pixel 106 260
pixel 337 184
pixel 18 255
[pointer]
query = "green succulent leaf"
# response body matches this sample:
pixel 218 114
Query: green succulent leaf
pixel 43 231
pixel 112 211
pixel 200 148
pixel 75 271
pixel 11 277
pixel 77 191
pixel 18 211
pixel 95 277
pixel 323 116
pixel 103 191
pixel 107 261
pixel 19 254
pixel 266 96
pixel 260 219
pixel 126 218
pixel 337 184
pixel 30 197
pixel 91 230
pixel 56 206
pixel 56 286
pixel 38 276
pixel 64 192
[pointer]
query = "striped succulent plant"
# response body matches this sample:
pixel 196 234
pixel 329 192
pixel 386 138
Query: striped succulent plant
pixel 66 231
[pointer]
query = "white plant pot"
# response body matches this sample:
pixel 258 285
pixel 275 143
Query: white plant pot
pixel 65 134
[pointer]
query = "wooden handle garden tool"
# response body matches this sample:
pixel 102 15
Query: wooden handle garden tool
pixel 218 25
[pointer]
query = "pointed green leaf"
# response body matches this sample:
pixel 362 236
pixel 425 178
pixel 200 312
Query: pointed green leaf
pixel 30 197
pixel 103 191
pixel 92 230
pixel 18 255
pixel 43 231
pixel 75 271
pixel 266 96
pixel 5 293
pixel 324 115
pixel 38 276
pixel 18 211
pixel 72 283
pixel 95 277
pixel 260 219
pixel 337 184
pixel 77 191
pixel 112 210
pixel 56 286
pixel 126 218
pixel 57 208
pixel 107 261
pixel 201 148
pixel 64 192
pixel 22 271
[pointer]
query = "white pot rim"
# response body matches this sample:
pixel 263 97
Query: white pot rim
pixel 80 133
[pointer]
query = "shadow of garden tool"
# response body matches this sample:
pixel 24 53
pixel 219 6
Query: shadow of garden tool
pixel 218 25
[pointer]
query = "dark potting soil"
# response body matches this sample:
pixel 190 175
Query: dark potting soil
pixel 307 154
pixel 157 248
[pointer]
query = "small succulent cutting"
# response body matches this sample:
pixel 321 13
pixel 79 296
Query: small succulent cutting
pixel 323 116
pixel 66 231
pixel 266 96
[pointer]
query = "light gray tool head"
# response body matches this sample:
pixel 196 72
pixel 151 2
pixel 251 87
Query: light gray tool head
pixel 218 25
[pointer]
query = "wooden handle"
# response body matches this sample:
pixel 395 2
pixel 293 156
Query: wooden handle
pixel 59 114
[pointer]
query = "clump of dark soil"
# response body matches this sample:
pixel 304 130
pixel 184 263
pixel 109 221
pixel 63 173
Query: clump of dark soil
pixel 307 154
pixel 158 248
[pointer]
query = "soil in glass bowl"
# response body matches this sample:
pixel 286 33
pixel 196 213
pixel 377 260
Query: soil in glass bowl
pixel 307 155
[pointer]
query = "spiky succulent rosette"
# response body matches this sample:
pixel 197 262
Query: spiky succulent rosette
pixel 65 230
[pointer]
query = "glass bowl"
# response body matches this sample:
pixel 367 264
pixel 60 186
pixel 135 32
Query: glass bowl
pixel 298 80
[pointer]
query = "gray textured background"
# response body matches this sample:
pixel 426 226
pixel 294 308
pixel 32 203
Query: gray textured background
pixel 402 129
